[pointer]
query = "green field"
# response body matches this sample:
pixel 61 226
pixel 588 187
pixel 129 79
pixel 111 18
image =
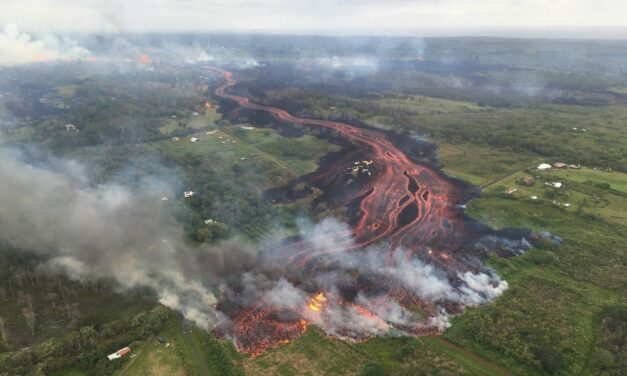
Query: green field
pixel 264 149
pixel 585 190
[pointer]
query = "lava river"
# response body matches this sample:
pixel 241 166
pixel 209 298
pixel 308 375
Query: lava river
pixel 407 215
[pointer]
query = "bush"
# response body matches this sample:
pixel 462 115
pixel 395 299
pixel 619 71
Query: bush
pixel 372 368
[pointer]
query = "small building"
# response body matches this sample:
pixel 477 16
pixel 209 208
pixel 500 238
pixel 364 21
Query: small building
pixel 176 139
pixel 556 184
pixel 195 113
pixel 566 204
pixel 194 139
pixel 560 165
pixel 209 221
pixel 509 191
pixel 527 181
pixel 120 353
pixel 543 166
pixel 534 197
pixel 71 128
pixel 164 198
pixel 189 194
pixel 209 133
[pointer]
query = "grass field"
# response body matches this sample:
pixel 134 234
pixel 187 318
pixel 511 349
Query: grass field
pixel 586 190
pixel 205 119
pixel 547 320
pixel 481 164
pixel 263 149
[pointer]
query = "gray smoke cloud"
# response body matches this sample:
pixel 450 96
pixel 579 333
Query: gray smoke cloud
pixel 106 231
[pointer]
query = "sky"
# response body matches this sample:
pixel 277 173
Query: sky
pixel 301 16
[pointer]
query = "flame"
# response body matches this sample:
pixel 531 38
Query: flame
pixel 145 59
pixel 207 105
pixel 317 302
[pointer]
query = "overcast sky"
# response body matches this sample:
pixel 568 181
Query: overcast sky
pixel 303 15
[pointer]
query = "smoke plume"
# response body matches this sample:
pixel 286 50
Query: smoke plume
pixel 129 235
pixel 17 48
pixel 107 231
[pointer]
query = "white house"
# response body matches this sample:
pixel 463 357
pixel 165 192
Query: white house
pixel 189 194
pixel 194 139
pixel 544 166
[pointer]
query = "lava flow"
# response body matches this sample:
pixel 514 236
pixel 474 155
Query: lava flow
pixel 429 266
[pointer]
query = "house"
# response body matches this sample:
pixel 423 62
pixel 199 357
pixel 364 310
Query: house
pixel 120 353
pixel 527 181
pixel 194 139
pixel 509 191
pixel 556 184
pixel 534 197
pixel 176 139
pixel 543 166
pixel 195 113
pixel 209 133
pixel 71 128
pixel 560 165
pixel 189 194
pixel 247 128
pixel 209 221
pixel 164 198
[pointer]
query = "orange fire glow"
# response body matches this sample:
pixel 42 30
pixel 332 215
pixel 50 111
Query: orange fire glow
pixel 317 302
pixel 145 59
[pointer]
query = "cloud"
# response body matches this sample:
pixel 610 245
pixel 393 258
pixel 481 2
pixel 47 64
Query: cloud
pixel 367 16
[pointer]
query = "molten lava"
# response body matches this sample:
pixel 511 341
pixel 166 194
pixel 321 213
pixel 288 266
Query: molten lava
pixel 394 198
pixel 144 59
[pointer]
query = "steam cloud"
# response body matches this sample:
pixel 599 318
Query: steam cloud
pixel 17 48
pixel 129 235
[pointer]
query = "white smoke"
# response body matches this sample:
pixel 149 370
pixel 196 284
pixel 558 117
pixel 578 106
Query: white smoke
pixel 107 231
pixel 366 314
pixel 18 48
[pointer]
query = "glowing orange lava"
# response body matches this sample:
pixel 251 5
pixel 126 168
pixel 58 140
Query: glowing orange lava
pixel 317 302
pixel 405 202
